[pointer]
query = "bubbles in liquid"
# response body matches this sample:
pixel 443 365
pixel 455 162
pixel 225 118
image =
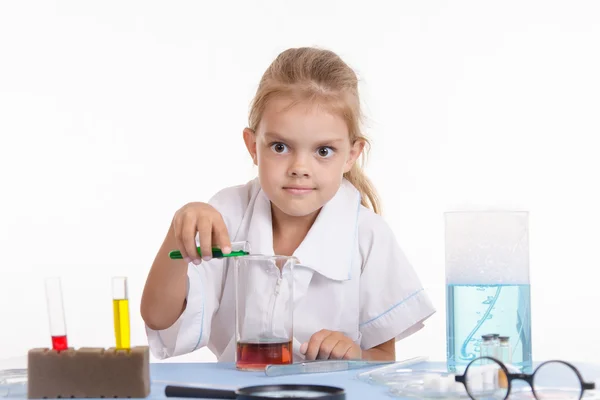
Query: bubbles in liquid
pixel 475 310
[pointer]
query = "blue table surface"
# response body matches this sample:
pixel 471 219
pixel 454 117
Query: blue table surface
pixel 225 375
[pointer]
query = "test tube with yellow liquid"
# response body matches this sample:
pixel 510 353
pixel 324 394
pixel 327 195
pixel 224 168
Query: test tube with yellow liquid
pixel 121 312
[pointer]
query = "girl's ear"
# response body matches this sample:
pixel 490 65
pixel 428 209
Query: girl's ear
pixel 250 140
pixel 355 152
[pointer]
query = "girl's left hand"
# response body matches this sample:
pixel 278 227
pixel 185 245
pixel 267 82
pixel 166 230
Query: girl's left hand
pixel 326 344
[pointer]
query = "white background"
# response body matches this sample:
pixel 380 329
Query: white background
pixel 113 114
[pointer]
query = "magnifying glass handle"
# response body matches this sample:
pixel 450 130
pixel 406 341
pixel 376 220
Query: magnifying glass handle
pixel 198 392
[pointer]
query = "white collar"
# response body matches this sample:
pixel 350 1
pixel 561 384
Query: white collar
pixel 329 246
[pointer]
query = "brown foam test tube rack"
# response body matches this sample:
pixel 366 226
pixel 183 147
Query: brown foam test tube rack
pixel 88 372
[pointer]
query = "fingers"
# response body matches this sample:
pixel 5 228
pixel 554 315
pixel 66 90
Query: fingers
pixel 211 229
pixel 183 229
pixel 205 235
pixel 332 341
pixel 188 238
pixel 314 344
pixel 178 238
pixel 303 348
pixel 341 350
pixel 221 235
pixel 325 345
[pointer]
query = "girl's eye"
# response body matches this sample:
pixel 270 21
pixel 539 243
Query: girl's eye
pixel 325 152
pixel 279 147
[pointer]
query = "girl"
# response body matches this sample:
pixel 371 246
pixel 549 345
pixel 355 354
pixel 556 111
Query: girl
pixel 311 200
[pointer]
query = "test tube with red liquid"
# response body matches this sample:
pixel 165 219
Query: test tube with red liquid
pixel 56 314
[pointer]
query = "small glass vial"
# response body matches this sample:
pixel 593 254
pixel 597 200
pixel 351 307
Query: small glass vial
pixel 487 347
pixel 504 354
pixel 495 345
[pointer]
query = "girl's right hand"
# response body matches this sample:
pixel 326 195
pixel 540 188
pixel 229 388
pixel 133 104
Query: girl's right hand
pixel 212 231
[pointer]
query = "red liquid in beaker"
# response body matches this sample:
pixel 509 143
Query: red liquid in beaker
pixel 257 354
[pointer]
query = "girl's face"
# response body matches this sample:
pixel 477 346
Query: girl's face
pixel 302 153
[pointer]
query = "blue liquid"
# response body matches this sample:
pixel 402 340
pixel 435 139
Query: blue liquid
pixel 475 310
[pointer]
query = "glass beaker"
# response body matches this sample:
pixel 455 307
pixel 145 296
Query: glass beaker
pixel 264 295
pixel 487 284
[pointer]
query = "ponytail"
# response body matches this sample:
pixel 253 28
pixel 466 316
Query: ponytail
pixel 356 176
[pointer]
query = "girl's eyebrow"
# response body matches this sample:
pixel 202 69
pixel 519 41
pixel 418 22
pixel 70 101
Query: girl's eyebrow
pixel 330 141
pixel 273 136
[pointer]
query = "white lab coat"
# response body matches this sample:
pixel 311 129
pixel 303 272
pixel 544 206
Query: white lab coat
pixel 353 277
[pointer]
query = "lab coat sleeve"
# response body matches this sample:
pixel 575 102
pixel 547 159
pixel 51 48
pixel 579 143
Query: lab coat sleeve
pixel 192 329
pixel 393 303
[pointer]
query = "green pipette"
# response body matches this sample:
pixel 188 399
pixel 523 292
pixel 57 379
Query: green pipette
pixel 216 253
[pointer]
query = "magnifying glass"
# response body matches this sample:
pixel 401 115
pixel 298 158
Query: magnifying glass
pixel 265 392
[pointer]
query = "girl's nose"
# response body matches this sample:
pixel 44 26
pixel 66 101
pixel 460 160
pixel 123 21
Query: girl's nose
pixel 298 172
pixel 299 169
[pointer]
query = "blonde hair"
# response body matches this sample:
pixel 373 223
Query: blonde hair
pixel 316 75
